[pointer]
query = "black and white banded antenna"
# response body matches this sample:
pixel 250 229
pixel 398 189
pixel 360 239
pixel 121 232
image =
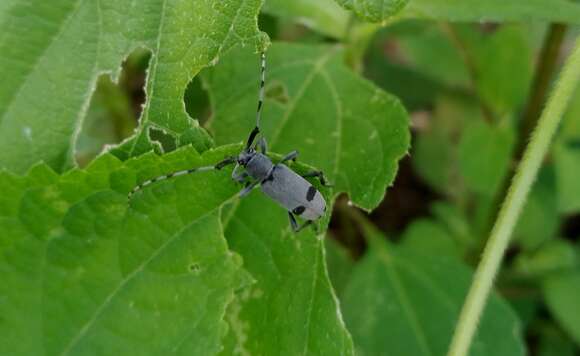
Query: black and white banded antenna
pixel 228 160
pixel 218 166
pixel 256 129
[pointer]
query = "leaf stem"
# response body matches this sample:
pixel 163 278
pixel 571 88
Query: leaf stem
pixel 512 206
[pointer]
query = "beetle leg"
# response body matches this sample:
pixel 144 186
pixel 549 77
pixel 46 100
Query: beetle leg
pixel 239 177
pixel 319 175
pixel 293 222
pixel 290 156
pixel 248 188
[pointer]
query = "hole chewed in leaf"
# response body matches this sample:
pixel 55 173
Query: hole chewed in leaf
pixel 164 139
pixel 278 92
pixel 194 268
pixel 196 101
pixel 114 109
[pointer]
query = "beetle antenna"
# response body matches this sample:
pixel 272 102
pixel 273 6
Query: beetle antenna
pixel 218 166
pixel 256 129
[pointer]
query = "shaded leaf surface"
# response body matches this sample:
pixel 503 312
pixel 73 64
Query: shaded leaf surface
pixel 53 52
pixel 374 10
pixel 566 151
pixel 85 273
pixel 561 292
pixel 403 303
pixel 494 10
pixel 484 153
pixel 310 106
pixel 324 16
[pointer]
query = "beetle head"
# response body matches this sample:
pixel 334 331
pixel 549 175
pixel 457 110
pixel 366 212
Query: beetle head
pixel 245 156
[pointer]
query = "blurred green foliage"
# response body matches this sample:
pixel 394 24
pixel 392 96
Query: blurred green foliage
pixel 85 272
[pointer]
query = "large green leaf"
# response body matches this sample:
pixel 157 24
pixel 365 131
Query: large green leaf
pixel 53 52
pixel 85 272
pixel 355 139
pixel 339 122
pixel 291 308
pixel 399 302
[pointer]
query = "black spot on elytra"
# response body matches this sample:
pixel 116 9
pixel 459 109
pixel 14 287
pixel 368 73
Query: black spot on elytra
pixel 310 193
pixel 299 210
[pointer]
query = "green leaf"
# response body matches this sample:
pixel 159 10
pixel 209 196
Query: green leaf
pixel 434 157
pixel 554 256
pixel 355 139
pixel 494 10
pixel 554 344
pixel 324 16
pixel 430 50
pixel 310 106
pixel 484 155
pixel 292 306
pixel 339 263
pixel 53 53
pixel 436 152
pixel 374 10
pixel 499 85
pixel 561 293
pixel 567 163
pixel 540 219
pixel 426 235
pixel 404 303
pixel 85 272
pixel 566 152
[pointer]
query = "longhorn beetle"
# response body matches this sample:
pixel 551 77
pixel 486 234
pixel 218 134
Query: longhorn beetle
pixel 276 180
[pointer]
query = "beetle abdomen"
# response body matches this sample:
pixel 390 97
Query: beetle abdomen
pixel 294 193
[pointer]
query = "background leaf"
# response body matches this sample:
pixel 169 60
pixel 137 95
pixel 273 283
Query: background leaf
pixel 54 52
pixel 399 302
pixel 561 292
pixel 324 16
pixel 566 152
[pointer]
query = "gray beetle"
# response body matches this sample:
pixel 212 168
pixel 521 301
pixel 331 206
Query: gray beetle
pixel 276 180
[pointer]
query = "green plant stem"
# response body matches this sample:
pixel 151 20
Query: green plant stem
pixel 512 206
pixel 544 74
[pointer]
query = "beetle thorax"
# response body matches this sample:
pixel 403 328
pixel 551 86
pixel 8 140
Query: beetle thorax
pixel 259 166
